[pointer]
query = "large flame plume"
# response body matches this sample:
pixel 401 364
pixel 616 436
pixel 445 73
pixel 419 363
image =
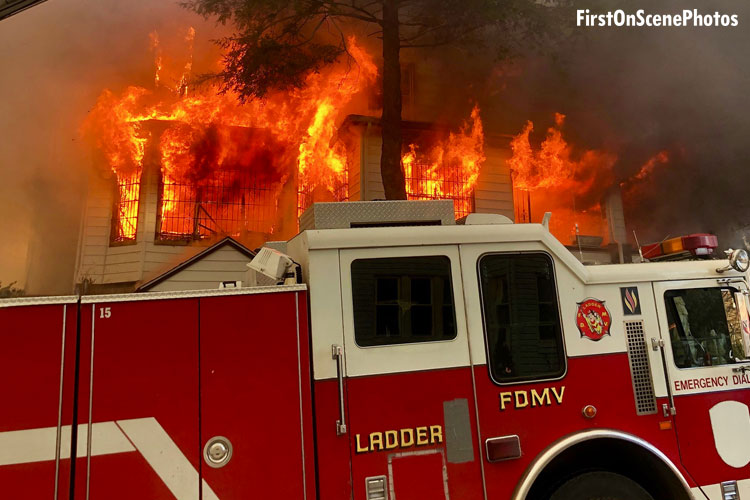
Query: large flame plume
pixel 571 184
pixel 210 147
pixel 199 137
pixel 449 169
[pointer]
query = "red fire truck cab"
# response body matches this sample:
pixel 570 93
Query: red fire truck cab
pixel 415 361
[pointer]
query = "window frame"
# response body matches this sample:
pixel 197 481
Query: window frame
pixel 667 306
pixel 396 344
pixel 561 337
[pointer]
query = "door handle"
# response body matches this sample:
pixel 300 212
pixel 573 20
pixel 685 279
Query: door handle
pixel 338 354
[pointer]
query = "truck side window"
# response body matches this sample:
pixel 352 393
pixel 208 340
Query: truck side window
pixel 521 318
pixel 402 300
pixel 704 327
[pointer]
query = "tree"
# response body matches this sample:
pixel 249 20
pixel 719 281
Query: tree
pixel 278 42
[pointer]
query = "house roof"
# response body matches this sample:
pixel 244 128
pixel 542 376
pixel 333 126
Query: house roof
pixel 227 241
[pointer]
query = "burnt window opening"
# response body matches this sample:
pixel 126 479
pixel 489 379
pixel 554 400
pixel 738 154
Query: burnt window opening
pixel 521 317
pixel 424 181
pixel 307 195
pixel 124 224
pixel 231 201
pixel 402 300
pixel 218 181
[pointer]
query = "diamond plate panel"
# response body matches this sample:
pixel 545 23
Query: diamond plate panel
pixel 341 215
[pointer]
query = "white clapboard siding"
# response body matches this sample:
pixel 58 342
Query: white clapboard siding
pixel 224 264
pixel 493 193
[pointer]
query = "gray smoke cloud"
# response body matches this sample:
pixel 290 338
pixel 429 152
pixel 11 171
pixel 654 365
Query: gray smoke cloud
pixel 56 59
pixel 637 91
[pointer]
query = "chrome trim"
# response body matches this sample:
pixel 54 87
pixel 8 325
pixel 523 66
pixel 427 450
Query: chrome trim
pixel 91 404
pixel 226 450
pixel 471 363
pixel 337 353
pixel 132 297
pixel 371 492
pixel 640 369
pixel 487 448
pixel 301 416
pixel 553 450
pixel 60 403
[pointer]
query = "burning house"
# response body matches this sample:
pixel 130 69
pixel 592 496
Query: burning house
pixel 179 168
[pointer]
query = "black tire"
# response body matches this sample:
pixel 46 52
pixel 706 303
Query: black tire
pixel 600 486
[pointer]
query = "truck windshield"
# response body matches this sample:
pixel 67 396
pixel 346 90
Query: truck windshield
pixel 704 327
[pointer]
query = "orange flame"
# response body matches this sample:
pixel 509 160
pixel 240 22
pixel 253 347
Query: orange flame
pixel 552 178
pixel 448 170
pixel 302 120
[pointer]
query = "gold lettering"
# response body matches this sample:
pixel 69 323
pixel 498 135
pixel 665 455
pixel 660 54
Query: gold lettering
pixel 391 439
pixel 376 441
pixel 421 436
pixel 505 397
pixel 360 448
pixel 558 397
pixel 436 434
pixel 404 442
pixel 525 399
pixel 539 399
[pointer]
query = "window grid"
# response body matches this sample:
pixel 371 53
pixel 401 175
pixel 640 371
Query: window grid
pixel 339 191
pixel 230 202
pixel 424 182
pixel 125 210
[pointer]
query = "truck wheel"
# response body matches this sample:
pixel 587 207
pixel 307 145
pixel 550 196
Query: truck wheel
pixel 600 486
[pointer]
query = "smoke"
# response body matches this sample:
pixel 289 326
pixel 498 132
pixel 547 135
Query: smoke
pixel 637 91
pixel 56 59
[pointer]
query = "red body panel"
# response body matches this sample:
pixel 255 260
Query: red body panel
pixel 697 449
pixel 251 393
pixel 408 401
pixel 602 381
pixel 31 355
pixel 239 366
pixel 332 451
pixel 145 372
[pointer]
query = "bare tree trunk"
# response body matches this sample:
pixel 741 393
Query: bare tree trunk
pixel 390 156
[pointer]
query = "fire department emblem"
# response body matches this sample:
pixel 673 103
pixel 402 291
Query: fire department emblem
pixel 593 319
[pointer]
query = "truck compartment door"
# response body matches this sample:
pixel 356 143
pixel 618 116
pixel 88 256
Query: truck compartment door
pixel 256 409
pixel 37 354
pixel 138 400
pixel 411 420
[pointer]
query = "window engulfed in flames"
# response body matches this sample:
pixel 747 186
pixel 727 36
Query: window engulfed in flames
pixel 231 202
pixel 225 168
pixel 125 210
pixel 218 181
pixel 449 170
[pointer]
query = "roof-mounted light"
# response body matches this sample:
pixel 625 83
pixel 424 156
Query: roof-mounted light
pixel 682 247
pixel 738 260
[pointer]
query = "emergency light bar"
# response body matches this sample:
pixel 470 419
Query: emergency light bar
pixel 691 245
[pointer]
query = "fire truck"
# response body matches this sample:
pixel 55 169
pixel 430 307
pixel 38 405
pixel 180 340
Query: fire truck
pixel 403 356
